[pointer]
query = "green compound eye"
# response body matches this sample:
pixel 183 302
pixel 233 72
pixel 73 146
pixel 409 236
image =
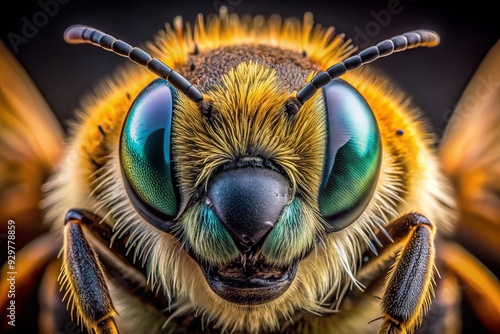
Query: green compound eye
pixel 146 157
pixel 352 158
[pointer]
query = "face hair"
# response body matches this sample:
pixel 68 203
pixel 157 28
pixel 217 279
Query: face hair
pixel 80 34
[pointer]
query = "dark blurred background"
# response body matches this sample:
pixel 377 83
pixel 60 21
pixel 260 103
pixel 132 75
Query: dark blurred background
pixel 435 78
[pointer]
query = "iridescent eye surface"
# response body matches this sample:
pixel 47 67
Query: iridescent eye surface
pixel 352 158
pixel 145 153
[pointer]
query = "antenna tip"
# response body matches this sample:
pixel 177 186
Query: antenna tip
pixel 74 34
pixel 431 37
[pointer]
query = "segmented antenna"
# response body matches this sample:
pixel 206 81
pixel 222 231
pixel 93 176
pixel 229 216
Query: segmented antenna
pixel 79 34
pixel 409 40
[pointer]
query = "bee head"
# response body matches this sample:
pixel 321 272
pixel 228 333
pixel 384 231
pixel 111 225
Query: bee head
pixel 253 170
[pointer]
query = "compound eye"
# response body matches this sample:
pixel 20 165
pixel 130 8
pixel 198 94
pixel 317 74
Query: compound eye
pixel 352 158
pixel 145 153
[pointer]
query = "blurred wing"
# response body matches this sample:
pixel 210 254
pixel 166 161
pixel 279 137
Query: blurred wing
pixel 470 152
pixel 31 141
pixel 482 287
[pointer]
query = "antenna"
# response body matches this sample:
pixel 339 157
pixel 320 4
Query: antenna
pixel 409 40
pixel 80 34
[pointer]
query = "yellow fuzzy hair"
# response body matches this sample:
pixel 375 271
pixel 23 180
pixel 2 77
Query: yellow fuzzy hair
pixel 90 175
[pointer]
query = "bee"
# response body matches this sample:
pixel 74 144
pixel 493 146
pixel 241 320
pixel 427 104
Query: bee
pixel 251 175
